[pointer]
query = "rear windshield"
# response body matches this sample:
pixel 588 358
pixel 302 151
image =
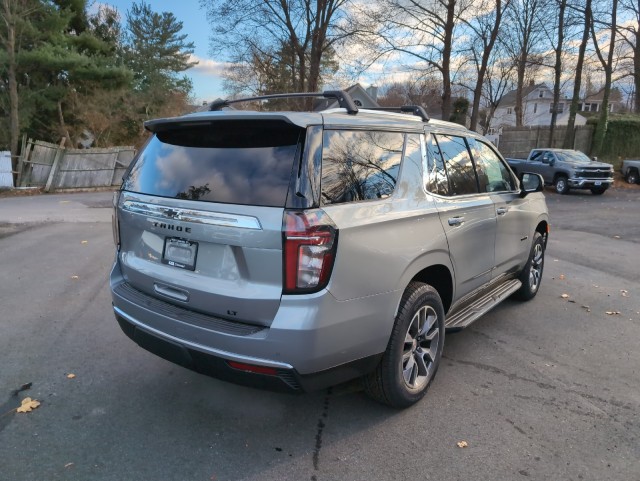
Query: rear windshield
pixel 235 162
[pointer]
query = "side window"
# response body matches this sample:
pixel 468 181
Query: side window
pixel 359 165
pixel 493 176
pixel 457 160
pixel 437 182
pixel 536 156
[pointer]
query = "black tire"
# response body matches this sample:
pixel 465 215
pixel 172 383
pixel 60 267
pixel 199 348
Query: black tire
pixel 413 354
pixel 632 176
pixel 562 185
pixel 531 275
pixel 598 190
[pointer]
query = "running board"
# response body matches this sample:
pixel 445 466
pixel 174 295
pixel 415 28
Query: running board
pixel 482 305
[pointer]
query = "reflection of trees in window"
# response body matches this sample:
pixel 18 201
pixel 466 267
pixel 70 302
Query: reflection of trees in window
pixel 438 182
pixel 460 170
pixel 360 165
pixel 194 193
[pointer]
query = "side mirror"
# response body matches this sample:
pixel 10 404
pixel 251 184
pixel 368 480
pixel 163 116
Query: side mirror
pixel 531 183
pixel 594 158
pixel 545 159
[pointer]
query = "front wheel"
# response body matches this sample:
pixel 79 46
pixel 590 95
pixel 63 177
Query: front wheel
pixel 414 350
pixel 531 275
pixel 632 177
pixel 562 185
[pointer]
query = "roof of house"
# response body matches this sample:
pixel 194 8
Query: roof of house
pixel 509 98
pixel 614 96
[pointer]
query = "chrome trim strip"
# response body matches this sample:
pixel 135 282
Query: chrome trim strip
pixel 194 216
pixel 208 350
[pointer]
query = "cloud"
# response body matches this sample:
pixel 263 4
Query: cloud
pixel 207 66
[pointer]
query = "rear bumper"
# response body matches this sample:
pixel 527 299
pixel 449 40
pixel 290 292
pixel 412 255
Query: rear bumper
pixel 312 343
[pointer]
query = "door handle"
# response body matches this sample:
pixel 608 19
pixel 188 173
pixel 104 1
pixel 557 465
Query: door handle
pixel 456 221
pixel 502 210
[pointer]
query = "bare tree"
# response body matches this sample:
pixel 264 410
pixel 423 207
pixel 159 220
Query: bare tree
pixel 557 66
pixel 245 30
pixel 499 79
pixel 607 65
pixel 525 39
pixel 577 83
pixel 630 35
pixel 484 25
pixel 425 31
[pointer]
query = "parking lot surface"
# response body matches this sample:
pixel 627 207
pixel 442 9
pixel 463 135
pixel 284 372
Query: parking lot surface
pixel 547 390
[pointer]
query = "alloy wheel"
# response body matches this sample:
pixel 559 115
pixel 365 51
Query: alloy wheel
pixel 420 348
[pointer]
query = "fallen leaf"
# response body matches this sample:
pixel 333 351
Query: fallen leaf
pixel 561 277
pixel 572 301
pixel 70 375
pixel 68 465
pixel 84 242
pixel 75 277
pixel 565 296
pixel 613 313
pixel 616 237
pixel 462 444
pixel 28 405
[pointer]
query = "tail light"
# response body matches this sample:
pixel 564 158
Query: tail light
pixel 310 242
pixel 115 225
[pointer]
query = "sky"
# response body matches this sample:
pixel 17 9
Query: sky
pixel 207 82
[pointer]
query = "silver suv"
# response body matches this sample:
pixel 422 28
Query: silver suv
pixel 297 250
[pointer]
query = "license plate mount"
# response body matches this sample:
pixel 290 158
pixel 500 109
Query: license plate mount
pixel 180 253
pixel 597 183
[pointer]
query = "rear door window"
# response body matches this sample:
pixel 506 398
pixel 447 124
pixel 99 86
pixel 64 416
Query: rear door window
pixel 235 162
pixel 360 165
pixel 460 168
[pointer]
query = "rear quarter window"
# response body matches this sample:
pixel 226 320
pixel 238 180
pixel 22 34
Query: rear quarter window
pixel 235 162
pixel 359 165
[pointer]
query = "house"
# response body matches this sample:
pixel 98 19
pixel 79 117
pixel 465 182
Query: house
pixel 537 104
pixel 593 102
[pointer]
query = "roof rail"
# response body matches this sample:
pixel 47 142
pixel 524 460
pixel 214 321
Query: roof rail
pixel 414 109
pixel 343 98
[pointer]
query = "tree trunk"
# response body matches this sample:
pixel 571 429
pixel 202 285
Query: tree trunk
pixel 14 113
pixel 575 99
pixel 446 60
pixel 636 68
pixel 557 71
pixel 607 65
pixel 477 91
pixel 522 62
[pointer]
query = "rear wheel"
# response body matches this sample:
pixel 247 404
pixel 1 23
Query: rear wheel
pixel 531 275
pixel 598 190
pixel 414 351
pixel 632 176
pixel 562 185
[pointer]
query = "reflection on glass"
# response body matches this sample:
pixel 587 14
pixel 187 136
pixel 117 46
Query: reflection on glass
pixel 462 177
pixel 359 165
pixel 237 164
pixel 493 176
pixel 437 181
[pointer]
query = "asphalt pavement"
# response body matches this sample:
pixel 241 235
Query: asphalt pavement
pixel 544 390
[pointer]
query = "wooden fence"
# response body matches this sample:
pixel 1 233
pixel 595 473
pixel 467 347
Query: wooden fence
pixel 53 167
pixel 518 141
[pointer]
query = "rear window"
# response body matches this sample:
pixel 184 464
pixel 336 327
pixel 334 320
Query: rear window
pixel 235 162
